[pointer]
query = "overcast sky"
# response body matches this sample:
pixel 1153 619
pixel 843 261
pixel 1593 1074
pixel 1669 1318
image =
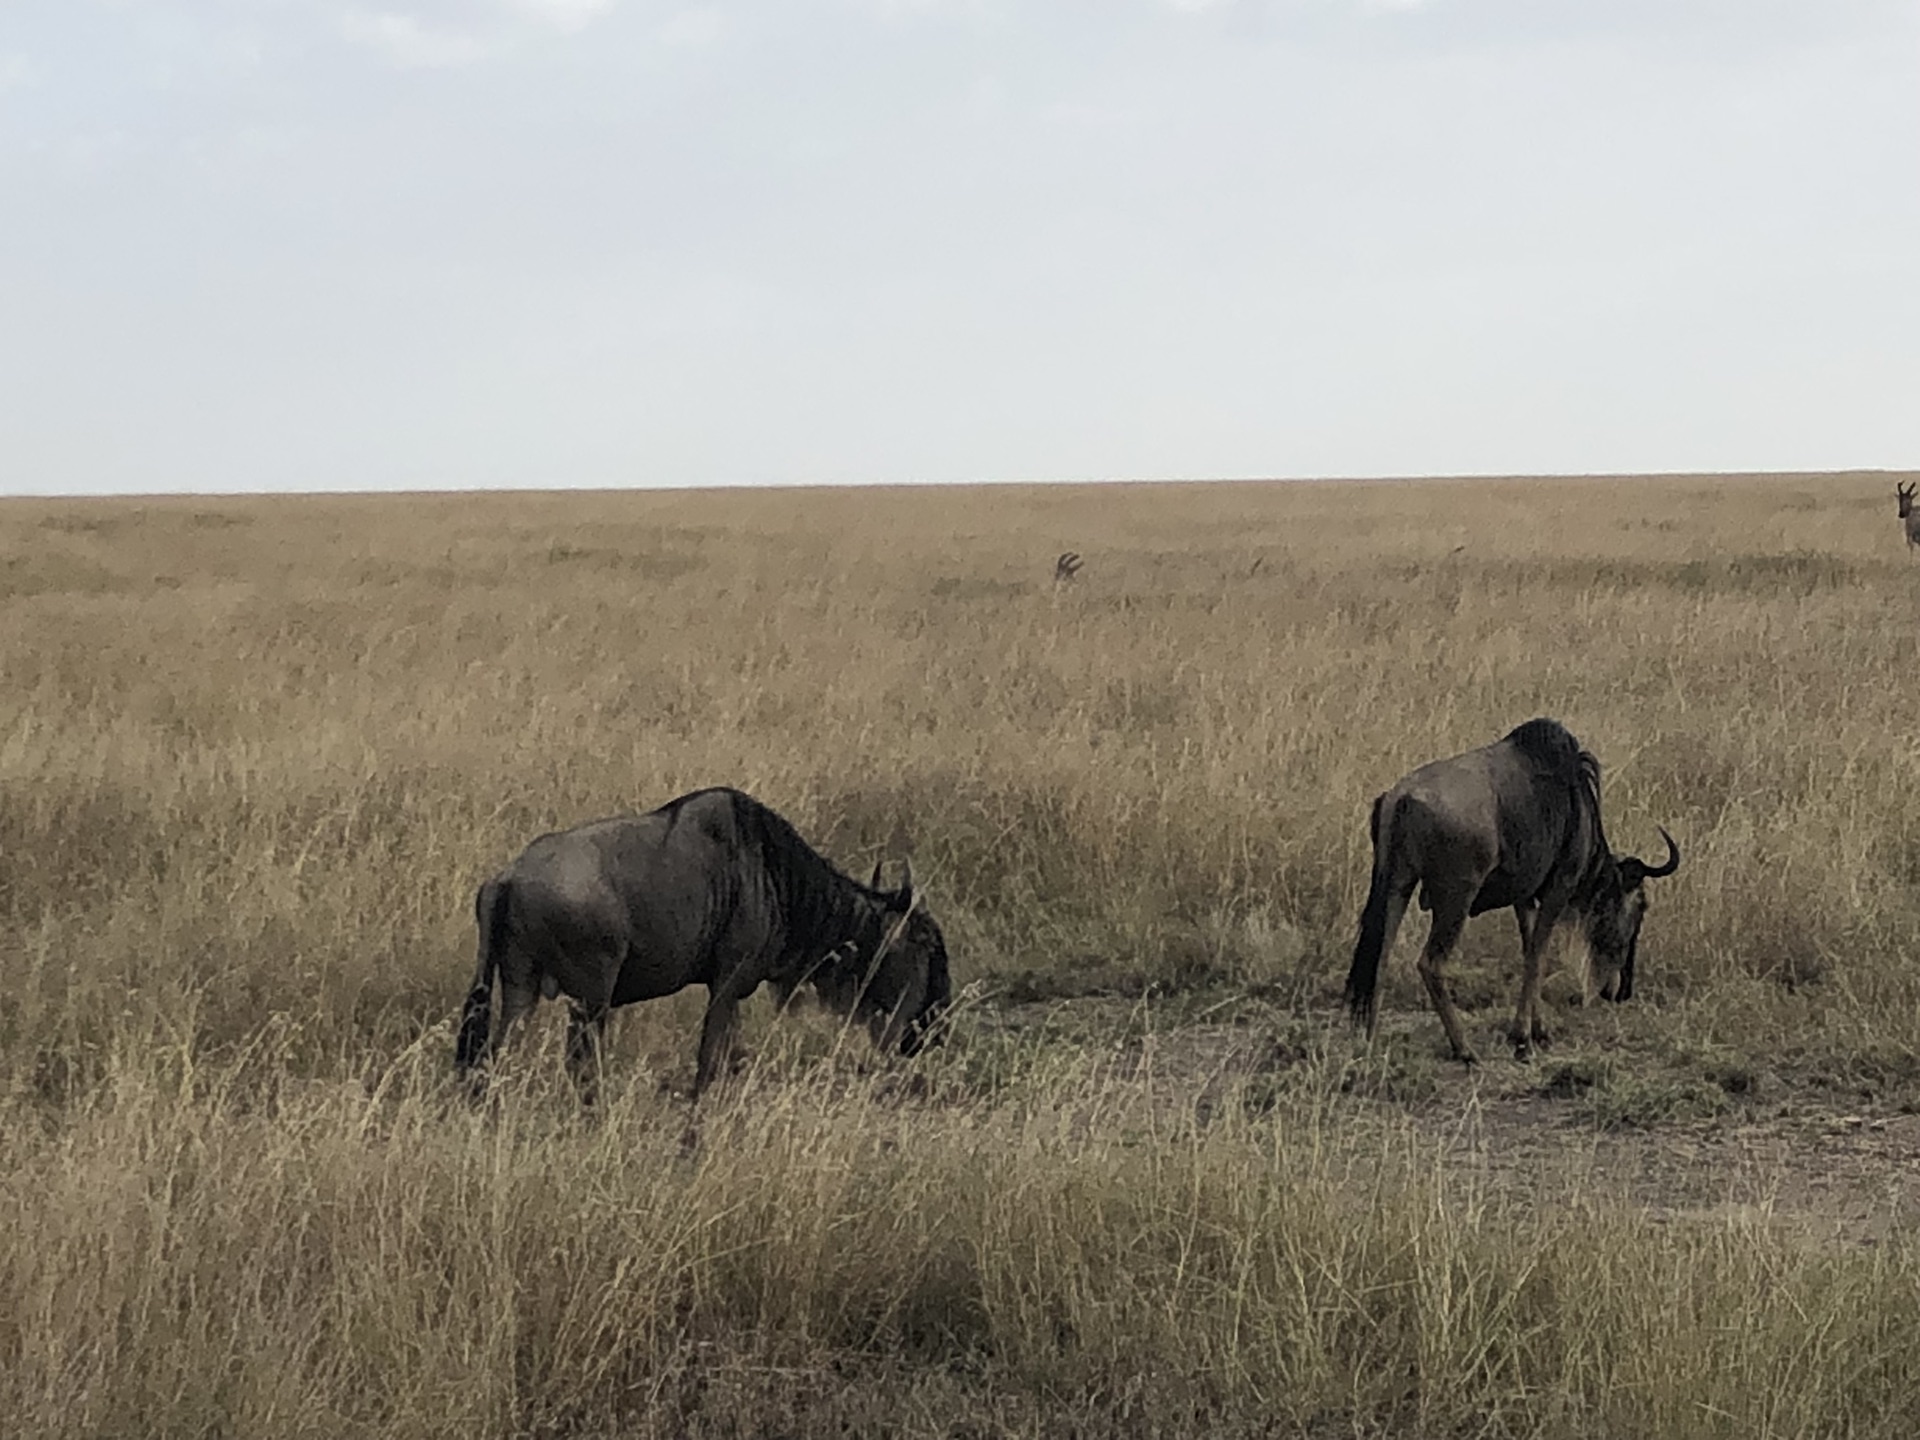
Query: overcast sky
pixel 308 244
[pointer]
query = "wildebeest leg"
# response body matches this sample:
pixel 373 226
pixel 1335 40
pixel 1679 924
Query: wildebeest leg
pixel 1393 908
pixel 716 1037
pixel 1526 1012
pixel 589 983
pixel 1536 930
pixel 516 999
pixel 1449 918
pixel 586 1031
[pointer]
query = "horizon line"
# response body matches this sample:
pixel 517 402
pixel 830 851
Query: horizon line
pixel 1443 477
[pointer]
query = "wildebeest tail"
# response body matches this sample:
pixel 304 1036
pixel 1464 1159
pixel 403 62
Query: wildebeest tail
pixel 1363 976
pixel 476 1015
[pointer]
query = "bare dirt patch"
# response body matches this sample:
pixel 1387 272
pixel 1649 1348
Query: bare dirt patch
pixel 1815 1162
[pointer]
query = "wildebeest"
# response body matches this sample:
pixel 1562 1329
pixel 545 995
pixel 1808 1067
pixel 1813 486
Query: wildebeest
pixel 711 889
pixel 1068 566
pixel 1904 493
pixel 1513 823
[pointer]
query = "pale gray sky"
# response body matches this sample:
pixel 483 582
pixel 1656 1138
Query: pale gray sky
pixel 268 244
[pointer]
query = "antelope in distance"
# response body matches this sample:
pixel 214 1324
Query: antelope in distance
pixel 711 889
pixel 1513 823
pixel 1068 566
pixel 1904 493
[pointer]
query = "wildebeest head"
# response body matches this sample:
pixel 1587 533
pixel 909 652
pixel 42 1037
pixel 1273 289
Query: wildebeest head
pixel 1615 905
pixel 1904 493
pixel 895 979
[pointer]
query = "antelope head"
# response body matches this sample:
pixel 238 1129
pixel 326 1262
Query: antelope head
pixel 1068 566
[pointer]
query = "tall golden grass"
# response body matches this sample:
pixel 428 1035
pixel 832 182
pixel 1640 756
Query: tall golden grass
pixel 255 755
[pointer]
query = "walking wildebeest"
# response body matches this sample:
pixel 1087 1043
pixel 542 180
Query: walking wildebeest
pixel 711 889
pixel 1904 493
pixel 1513 823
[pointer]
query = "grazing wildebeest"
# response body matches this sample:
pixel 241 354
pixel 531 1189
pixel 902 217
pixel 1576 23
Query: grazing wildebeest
pixel 1904 493
pixel 1068 566
pixel 1513 823
pixel 711 889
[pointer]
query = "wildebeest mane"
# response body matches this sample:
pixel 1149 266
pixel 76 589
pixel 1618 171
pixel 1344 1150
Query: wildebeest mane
pixel 1552 748
pixel 820 908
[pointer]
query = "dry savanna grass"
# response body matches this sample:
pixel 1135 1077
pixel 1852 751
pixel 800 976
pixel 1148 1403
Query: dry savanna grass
pixel 255 755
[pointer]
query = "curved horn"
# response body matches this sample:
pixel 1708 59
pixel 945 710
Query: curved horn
pixel 874 883
pixel 906 883
pixel 1655 872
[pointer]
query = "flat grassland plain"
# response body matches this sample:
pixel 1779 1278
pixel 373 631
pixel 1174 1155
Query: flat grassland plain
pixel 255 754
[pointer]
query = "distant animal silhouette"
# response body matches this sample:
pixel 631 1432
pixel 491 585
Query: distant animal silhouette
pixel 1907 513
pixel 1068 566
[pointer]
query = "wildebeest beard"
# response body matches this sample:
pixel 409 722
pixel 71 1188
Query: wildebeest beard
pixel 1615 903
pixel 875 975
pixel 1613 914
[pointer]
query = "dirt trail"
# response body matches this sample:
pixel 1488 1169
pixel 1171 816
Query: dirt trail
pixel 1848 1176
pixel 1807 1161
